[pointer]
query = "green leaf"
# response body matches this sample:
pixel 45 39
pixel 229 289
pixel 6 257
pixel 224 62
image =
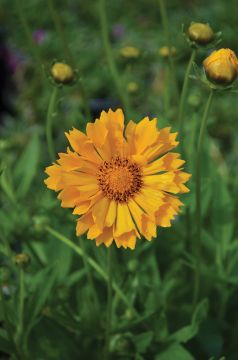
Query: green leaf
pixel 175 352
pixel 188 332
pixel 27 165
pixel 42 287
pixel 143 341
pixel 5 344
pixel 6 184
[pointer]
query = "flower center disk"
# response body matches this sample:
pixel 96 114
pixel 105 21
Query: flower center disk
pixel 119 179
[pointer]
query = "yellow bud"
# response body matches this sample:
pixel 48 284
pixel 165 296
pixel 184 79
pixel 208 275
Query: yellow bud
pixel 200 33
pixel 132 87
pixel 22 259
pixel 221 67
pixel 130 52
pixel 165 51
pixel 62 73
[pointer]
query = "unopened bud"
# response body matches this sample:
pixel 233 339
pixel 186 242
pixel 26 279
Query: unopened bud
pixel 22 259
pixel 221 67
pixel 200 33
pixel 62 73
pixel 132 87
pixel 165 51
pixel 130 52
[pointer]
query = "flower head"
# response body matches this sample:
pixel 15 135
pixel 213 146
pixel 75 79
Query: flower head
pixel 122 182
pixel 221 67
pixel 200 33
pixel 62 73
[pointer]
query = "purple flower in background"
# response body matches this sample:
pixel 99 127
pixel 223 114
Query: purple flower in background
pixel 39 36
pixel 118 31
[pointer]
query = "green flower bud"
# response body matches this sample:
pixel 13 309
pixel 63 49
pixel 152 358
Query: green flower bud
pixel 200 33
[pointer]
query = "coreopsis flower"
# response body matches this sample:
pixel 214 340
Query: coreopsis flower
pixel 200 33
pixel 130 52
pixel 62 73
pixel 221 67
pixel 122 182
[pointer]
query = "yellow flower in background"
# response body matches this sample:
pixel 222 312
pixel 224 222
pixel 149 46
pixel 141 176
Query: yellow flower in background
pixel 132 87
pixel 130 52
pixel 221 66
pixel 121 181
pixel 165 51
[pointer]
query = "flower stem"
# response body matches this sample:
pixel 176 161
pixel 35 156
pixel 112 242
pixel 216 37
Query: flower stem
pixel 89 275
pixel 185 91
pixel 197 239
pixel 109 304
pixel 109 54
pixel 93 264
pixel 165 24
pixel 26 29
pixel 19 332
pixel 49 119
pixel 67 52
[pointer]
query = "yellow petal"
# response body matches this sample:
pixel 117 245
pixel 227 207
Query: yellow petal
pixel 111 214
pixel 100 210
pixel 53 182
pixel 84 223
pixel 106 237
pixel 83 145
pixel 168 162
pixel 124 222
pixel 165 141
pixel 167 211
pixel 93 232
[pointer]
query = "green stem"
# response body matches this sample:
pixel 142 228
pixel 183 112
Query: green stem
pixel 197 239
pixel 20 327
pixel 28 33
pixel 109 54
pixel 49 121
pixel 92 263
pixel 67 52
pixel 166 94
pixel 89 275
pixel 60 31
pixel 184 92
pixel 109 304
pixel 165 24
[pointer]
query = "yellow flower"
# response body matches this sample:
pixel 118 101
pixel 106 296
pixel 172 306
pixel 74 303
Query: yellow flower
pixel 62 73
pixel 165 51
pixel 122 184
pixel 130 52
pixel 221 66
pixel 200 33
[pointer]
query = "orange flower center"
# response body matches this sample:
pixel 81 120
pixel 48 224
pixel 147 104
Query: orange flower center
pixel 119 179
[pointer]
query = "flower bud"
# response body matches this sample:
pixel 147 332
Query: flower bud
pixel 130 52
pixel 62 73
pixel 165 51
pixel 221 67
pixel 200 33
pixel 132 87
pixel 22 259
